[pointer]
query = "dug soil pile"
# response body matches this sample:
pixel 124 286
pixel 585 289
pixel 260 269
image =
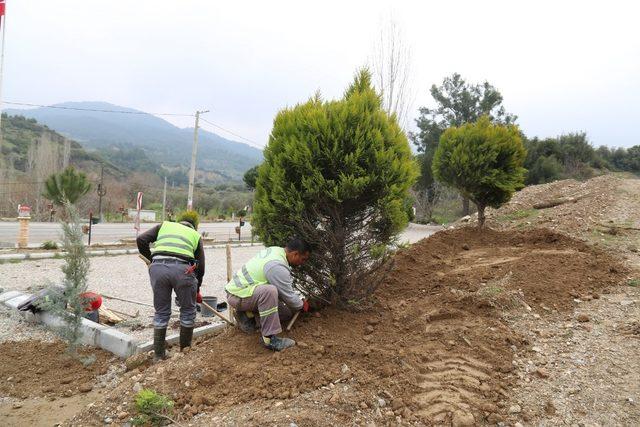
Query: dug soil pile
pixel 36 369
pixel 433 348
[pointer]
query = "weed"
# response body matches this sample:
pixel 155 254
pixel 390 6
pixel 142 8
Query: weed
pixel 153 408
pixel 520 214
pixel 634 283
pixel 49 244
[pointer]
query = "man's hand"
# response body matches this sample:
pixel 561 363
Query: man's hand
pixel 199 298
pixel 305 305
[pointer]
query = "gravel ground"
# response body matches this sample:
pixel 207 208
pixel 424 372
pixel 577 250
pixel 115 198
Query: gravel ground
pixel 125 276
pixel 14 328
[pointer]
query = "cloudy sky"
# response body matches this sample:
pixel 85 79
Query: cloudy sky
pixel 561 66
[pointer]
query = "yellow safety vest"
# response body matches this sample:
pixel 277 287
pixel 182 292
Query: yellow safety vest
pixel 245 280
pixel 175 238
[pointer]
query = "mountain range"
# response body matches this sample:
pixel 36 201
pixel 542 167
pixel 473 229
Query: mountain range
pixel 140 141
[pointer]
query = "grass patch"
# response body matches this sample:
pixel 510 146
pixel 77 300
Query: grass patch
pixel 634 283
pixel 519 214
pixel 153 408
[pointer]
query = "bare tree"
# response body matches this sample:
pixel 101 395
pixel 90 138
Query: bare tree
pixel 391 66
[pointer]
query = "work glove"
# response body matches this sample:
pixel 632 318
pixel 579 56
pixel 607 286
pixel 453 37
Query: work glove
pixel 305 306
pixel 199 298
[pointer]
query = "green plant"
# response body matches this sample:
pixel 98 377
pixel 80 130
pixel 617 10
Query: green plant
pixel 483 161
pixel 519 214
pixel 336 174
pixel 49 244
pixel 68 185
pixel 634 283
pixel 250 177
pixel 153 408
pixel 69 304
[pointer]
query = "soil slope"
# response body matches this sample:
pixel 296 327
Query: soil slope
pixel 434 348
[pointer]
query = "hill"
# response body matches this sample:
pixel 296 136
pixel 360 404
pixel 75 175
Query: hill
pixel 22 155
pixel 129 135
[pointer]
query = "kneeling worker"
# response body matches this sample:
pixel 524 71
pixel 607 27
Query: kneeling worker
pixel 261 284
pixel 177 255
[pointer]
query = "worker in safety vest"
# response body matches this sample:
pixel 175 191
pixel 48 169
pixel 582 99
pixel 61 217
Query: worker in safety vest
pixel 264 287
pixel 177 264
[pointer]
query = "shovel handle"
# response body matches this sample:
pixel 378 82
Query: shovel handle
pixel 293 320
pixel 217 313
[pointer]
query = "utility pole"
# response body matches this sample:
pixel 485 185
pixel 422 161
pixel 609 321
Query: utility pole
pixel 101 192
pixel 194 151
pixel 164 198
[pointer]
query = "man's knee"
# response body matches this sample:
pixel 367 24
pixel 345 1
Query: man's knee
pixel 267 292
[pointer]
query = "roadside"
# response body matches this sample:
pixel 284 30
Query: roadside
pixel 582 367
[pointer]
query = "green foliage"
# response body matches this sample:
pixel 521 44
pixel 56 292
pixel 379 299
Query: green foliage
pixel 250 177
pixel 520 214
pixel 49 244
pixel 483 161
pixel 153 408
pixel 68 185
pixel 190 216
pixel 69 304
pixel 336 173
pixel 457 103
pixel 572 156
pixel 633 283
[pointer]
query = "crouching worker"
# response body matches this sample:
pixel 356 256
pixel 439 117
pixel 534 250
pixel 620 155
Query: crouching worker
pixel 177 264
pixel 263 287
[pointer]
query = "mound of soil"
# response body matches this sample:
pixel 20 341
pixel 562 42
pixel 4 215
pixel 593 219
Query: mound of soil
pixel 35 369
pixel 434 347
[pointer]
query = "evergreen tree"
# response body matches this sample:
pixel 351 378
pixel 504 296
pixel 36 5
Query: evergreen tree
pixel 337 174
pixel 457 103
pixel 483 161
pixel 68 185
pixel 69 303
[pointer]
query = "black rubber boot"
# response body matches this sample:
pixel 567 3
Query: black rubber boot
pixel 276 343
pixel 245 323
pixel 186 334
pixel 159 335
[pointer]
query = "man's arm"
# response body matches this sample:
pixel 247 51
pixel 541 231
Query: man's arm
pixel 145 239
pixel 280 276
pixel 199 256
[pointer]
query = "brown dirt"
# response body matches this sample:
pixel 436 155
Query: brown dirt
pixel 36 369
pixel 434 348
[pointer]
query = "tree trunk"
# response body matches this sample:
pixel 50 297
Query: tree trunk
pixel 481 217
pixel 465 206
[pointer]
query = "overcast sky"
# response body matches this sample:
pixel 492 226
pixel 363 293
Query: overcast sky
pixel 561 66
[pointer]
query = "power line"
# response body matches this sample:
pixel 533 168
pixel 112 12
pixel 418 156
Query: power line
pixel 256 145
pixel 97 110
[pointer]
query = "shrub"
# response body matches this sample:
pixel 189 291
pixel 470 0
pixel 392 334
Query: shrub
pixel 153 408
pixel 49 244
pixel 483 161
pixel 337 174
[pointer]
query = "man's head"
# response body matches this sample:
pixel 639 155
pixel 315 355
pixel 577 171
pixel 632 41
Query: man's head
pixel 189 217
pixel 297 250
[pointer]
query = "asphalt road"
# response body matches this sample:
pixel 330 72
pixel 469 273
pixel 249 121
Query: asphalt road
pixel 40 232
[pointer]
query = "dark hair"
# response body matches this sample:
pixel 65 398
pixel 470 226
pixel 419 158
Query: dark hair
pixel 298 245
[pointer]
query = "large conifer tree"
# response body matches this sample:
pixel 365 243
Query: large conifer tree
pixel 336 173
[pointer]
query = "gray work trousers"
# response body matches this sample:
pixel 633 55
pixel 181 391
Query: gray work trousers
pixel 265 304
pixel 165 278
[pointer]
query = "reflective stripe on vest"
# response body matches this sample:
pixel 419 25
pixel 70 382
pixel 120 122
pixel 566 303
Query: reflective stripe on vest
pixel 245 280
pixel 175 238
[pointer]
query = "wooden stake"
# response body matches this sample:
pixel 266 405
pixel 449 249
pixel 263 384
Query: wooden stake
pixel 229 274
